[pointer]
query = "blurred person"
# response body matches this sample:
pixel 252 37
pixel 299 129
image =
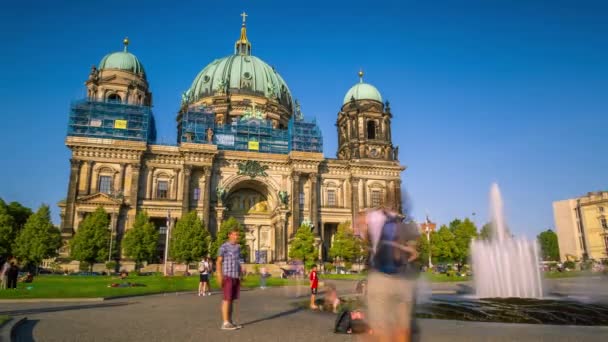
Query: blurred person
pixel 391 280
pixel 204 268
pixel 229 274
pixel 4 274
pixel 314 285
pixel 263 276
pixel 12 274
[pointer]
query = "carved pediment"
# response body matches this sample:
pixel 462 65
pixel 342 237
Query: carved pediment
pixel 100 199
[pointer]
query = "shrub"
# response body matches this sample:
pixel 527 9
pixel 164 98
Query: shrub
pixel 256 269
pixel 570 265
pixel 111 266
pixel 329 267
pixel 348 265
pixel 84 266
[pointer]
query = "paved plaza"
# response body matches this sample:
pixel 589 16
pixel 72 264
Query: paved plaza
pixel 267 315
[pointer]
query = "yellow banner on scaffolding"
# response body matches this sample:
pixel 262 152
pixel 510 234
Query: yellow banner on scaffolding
pixel 120 124
pixel 254 145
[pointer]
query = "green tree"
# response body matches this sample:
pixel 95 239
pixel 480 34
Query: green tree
pixel 464 232
pixel 303 246
pixel 140 242
pixel 423 248
pixel 444 245
pixel 92 239
pixel 39 239
pixel 486 233
pixel 189 239
pixel 222 236
pixel 7 230
pixel 548 245
pixel 19 213
pixel 345 243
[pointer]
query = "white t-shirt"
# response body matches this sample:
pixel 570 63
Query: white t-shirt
pixel 203 267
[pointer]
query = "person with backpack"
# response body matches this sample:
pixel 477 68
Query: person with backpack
pixel 392 277
pixel 204 268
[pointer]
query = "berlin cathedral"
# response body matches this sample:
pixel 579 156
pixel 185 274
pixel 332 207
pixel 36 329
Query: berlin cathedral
pixel 243 150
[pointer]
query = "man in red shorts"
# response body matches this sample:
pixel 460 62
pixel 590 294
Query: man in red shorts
pixel 229 277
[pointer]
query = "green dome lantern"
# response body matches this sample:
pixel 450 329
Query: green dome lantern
pixel 122 60
pixel 362 91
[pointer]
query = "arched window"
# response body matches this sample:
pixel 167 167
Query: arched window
pixel 371 130
pixel 114 98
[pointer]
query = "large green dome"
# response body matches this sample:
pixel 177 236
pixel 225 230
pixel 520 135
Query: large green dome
pixel 363 91
pixel 122 60
pixel 240 74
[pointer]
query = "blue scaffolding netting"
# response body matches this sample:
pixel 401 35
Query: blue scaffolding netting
pixel 254 134
pixel 111 120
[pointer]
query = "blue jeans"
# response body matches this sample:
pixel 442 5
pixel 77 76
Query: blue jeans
pixel 263 281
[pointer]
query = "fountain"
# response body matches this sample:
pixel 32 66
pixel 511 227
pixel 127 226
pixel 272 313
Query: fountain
pixel 505 266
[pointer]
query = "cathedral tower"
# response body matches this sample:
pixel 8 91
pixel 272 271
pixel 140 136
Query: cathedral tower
pixel 364 125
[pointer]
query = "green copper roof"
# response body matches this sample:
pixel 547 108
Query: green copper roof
pixel 122 60
pixel 239 73
pixel 363 91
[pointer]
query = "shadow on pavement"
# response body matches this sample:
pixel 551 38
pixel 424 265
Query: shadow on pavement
pixel 62 308
pixel 25 332
pixel 280 314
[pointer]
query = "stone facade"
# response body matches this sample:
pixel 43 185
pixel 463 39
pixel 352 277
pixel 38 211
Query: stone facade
pixel 582 226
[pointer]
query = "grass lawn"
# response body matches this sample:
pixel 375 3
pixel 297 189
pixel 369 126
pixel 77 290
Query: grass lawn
pixel 58 286
pixel 4 319
pixel 570 274
pixel 431 277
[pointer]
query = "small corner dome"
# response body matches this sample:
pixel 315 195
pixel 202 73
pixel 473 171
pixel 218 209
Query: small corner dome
pixel 363 91
pixel 122 60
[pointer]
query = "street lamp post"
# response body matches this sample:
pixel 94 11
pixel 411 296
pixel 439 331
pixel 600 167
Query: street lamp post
pixel 168 231
pixel 428 239
pixel 111 238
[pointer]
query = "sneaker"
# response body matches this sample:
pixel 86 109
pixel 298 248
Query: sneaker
pixel 228 326
pixel 199 294
pixel 238 326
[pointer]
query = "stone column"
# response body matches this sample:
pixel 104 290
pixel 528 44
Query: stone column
pixel 121 178
pixel 390 194
pixel 149 181
pixel 186 189
pixel 295 203
pixel 206 193
pixel 219 212
pixel 87 179
pixel 67 227
pixel 135 168
pixel 314 194
pixel 355 198
pixel 362 193
pixel 175 185
pixel 398 204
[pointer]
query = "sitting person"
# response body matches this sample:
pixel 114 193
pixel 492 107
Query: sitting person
pixel 331 298
pixel 349 322
pixel 28 278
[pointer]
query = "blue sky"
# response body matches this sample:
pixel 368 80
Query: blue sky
pixel 481 91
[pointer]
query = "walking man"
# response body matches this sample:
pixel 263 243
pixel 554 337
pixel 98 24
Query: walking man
pixel 391 280
pixel 229 277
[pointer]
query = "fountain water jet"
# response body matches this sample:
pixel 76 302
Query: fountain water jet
pixel 505 266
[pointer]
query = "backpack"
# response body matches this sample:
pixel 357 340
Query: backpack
pixel 388 258
pixel 204 267
pixel 343 322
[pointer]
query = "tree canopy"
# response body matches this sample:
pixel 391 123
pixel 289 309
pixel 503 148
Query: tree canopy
pixel 189 239
pixel 345 245
pixel 12 219
pixel 39 239
pixel 303 246
pixel 549 245
pixel 141 241
pixel 91 241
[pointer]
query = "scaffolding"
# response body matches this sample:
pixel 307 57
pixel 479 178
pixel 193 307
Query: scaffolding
pixel 111 120
pixel 258 135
